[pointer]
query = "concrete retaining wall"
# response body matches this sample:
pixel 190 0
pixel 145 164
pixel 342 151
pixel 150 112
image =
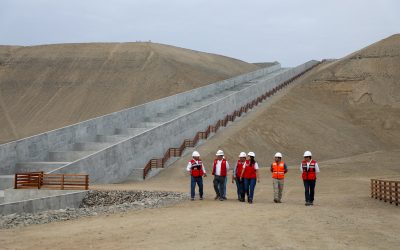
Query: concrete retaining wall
pixel 117 162
pixel 71 200
pixel 36 148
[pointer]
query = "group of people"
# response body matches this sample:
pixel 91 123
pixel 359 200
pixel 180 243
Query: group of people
pixel 246 175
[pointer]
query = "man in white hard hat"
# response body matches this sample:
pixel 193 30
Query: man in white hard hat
pixel 237 171
pixel 220 170
pixel 278 170
pixel 309 169
pixel 197 170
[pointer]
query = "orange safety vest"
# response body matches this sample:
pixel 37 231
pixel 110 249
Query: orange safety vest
pixel 197 168
pixel 278 170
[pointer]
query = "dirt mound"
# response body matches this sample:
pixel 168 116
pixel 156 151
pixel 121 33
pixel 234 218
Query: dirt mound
pixel 345 107
pixel 50 86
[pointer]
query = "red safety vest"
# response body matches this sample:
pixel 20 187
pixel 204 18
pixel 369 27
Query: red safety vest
pixel 239 168
pixel 223 167
pixel 278 170
pixel 309 174
pixel 197 168
pixel 250 171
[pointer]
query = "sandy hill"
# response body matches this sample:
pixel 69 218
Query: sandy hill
pixel 50 86
pixel 346 107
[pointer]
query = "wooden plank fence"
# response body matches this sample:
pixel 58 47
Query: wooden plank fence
pixel 386 190
pixel 39 180
pixel 177 152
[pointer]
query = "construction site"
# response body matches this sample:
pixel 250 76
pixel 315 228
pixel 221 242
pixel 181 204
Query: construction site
pixel 95 139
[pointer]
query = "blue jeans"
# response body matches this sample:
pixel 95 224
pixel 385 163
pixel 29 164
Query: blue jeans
pixel 226 180
pixel 309 186
pixel 249 186
pixel 199 181
pixel 240 187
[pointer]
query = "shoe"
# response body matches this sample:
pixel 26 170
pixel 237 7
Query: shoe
pixel 221 199
pixel 311 203
pixel 201 198
pixel 192 199
pixel 307 203
pixel 250 201
pixel 216 197
pixel 224 198
pixel 275 200
pixel 278 201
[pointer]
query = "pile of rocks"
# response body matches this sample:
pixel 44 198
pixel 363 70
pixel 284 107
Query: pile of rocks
pixel 95 203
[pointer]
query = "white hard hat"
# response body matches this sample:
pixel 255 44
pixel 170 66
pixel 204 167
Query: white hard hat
pixel 251 154
pixel 195 154
pixel 242 154
pixel 278 155
pixel 220 152
pixel 307 153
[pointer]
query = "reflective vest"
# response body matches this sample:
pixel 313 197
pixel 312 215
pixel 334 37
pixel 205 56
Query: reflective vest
pixel 239 168
pixel 309 174
pixel 278 170
pixel 223 167
pixel 249 171
pixel 197 168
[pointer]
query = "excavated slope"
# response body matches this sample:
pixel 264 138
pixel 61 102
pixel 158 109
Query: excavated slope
pixel 50 86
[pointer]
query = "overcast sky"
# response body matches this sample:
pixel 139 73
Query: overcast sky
pixel 289 31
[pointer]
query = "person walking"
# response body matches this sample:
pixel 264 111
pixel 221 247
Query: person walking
pixel 197 170
pixel 220 170
pixel 237 171
pixel 278 170
pixel 309 169
pixel 250 176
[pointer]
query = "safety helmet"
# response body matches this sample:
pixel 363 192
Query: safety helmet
pixel 278 155
pixel 251 154
pixel 307 153
pixel 242 154
pixel 195 154
pixel 219 152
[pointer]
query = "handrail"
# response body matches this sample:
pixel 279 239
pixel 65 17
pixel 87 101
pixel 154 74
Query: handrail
pixel 40 180
pixel 159 163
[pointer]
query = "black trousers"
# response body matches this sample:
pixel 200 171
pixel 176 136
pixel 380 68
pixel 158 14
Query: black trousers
pixel 219 185
pixel 309 186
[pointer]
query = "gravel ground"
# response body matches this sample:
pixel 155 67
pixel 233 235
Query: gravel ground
pixel 96 203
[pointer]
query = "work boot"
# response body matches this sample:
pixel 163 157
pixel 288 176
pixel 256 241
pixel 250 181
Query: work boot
pixel 201 198
pixel 307 203
pixel 216 197
pixel 311 203
pixel 275 200
pixel 250 201
pixel 192 199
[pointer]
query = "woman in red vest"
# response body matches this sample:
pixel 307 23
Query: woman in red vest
pixel 196 169
pixel 237 171
pixel 250 176
pixel 309 169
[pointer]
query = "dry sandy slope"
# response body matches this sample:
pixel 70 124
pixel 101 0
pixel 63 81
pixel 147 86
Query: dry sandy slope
pixel 50 86
pixel 348 138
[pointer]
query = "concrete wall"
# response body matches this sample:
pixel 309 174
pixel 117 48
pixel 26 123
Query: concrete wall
pixel 71 200
pixel 13 195
pixel 36 148
pixel 117 162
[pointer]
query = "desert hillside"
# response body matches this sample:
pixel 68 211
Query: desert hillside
pixel 346 107
pixel 50 86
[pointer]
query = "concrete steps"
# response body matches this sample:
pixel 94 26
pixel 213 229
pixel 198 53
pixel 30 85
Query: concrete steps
pixel 68 156
pixel 6 181
pixel 90 146
pixel 38 166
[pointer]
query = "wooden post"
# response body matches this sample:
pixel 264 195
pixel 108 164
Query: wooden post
pixel 87 182
pixel 15 182
pixel 62 182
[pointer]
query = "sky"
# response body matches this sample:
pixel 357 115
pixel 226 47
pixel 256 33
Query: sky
pixel 288 31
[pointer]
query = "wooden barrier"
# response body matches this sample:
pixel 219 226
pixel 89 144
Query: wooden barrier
pixel 40 180
pixel 177 152
pixel 386 190
pixel 28 180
